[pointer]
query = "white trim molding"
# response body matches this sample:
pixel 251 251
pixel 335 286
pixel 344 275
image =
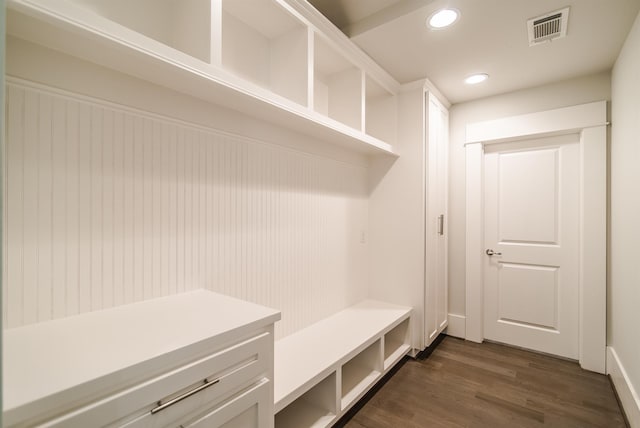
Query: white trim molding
pixel 627 394
pixel 589 120
pixel 474 243
pixel 456 326
pixel 563 120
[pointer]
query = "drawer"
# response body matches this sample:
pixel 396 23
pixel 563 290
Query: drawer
pixel 247 409
pixel 226 372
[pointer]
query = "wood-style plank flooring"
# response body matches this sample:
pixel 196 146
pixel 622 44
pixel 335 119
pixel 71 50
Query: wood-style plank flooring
pixel 465 384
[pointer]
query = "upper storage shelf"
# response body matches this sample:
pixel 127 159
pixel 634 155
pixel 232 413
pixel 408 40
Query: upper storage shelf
pixel 276 60
pixel 337 85
pixel 267 45
pixel 183 25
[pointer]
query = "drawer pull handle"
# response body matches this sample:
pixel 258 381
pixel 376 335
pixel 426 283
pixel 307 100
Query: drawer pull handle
pixel 161 406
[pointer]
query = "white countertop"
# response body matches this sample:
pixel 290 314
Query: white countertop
pixel 43 360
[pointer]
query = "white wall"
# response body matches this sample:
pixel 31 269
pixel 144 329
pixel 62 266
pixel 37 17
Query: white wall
pixel 624 256
pixel 107 205
pixel 566 93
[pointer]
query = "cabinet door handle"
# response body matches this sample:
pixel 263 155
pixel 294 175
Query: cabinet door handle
pixel 441 224
pixel 161 406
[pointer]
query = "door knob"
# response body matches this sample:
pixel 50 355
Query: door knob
pixel 490 252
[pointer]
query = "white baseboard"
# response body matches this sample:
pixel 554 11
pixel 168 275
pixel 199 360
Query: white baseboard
pixel 626 392
pixel 457 326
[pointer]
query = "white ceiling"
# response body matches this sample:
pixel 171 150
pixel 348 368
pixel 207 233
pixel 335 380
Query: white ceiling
pixel 490 37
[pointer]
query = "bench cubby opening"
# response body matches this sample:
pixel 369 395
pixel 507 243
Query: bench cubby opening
pixel 315 408
pixel 360 373
pixel 396 344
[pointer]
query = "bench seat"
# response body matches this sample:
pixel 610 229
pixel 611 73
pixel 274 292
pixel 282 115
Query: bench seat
pixel 351 350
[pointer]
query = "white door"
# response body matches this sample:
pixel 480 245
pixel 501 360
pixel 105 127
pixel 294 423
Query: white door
pixel 531 282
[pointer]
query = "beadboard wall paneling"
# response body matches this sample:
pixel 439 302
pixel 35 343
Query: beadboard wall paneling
pixel 106 205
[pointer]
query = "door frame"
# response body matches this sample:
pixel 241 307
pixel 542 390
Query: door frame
pixel 590 122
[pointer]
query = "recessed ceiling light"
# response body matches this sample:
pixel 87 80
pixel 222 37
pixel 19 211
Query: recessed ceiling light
pixel 443 18
pixel 476 78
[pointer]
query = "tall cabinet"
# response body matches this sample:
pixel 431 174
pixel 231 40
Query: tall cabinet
pixel 436 219
pixel 408 214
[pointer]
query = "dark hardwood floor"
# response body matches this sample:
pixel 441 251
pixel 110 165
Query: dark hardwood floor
pixel 465 384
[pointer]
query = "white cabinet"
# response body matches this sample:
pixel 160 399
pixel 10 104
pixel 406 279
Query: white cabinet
pixel 436 219
pixel 193 359
pixel 408 214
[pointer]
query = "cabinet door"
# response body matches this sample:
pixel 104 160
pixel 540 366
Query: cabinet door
pixel 442 279
pixel 436 305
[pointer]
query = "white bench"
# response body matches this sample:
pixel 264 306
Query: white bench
pixel 324 369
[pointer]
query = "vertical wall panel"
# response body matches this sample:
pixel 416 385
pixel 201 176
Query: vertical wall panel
pixel 59 210
pixel 118 209
pixel 13 290
pixel 72 204
pixel 108 286
pixel 107 206
pixel 138 208
pixel 96 177
pixel 44 210
pixel 173 212
pixel 147 213
pixel 127 203
pixel 31 129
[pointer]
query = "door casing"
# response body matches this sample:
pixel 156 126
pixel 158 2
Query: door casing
pixel 589 121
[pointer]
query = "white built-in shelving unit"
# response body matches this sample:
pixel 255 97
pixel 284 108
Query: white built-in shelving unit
pixel 282 62
pixel 322 370
pixel 277 60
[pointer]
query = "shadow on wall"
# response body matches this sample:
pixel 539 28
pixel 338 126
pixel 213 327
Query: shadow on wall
pixel 378 169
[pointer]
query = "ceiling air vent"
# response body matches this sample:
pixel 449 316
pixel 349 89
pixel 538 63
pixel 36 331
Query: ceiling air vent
pixel 547 27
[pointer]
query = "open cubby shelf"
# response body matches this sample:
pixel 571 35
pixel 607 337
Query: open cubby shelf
pixel 266 45
pixel 380 111
pixel 183 25
pixel 262 58
pixel 315 408
pixel 321 371
pixel 360 373
pixel 396 344
pixel 337 85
